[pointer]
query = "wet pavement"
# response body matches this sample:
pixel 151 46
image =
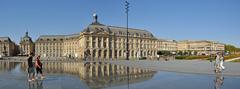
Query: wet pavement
pixel 184 66
pixel 72 75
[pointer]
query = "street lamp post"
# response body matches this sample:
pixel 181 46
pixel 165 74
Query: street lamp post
pixel 127 9
pixel 127 50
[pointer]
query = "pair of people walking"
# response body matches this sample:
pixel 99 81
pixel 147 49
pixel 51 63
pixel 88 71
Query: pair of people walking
pixel 32 66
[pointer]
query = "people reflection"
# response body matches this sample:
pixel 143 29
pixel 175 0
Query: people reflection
pixel 36 85
pixel 218 80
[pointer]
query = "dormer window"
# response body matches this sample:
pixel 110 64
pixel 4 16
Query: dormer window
pixel 97 29
pixel 144 35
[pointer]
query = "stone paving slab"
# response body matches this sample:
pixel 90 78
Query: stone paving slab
pixel 185 66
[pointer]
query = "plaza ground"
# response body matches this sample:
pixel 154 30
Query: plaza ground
pixel 185 66
pixel 183 74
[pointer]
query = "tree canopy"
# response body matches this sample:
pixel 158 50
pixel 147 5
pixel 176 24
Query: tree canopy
pixel 232 48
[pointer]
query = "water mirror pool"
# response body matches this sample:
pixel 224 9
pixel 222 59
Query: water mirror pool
pixel 79 75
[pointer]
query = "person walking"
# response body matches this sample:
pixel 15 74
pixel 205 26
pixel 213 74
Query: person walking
pixel 221 61
pixel 217 63
pixel 31 71
pixel 38 66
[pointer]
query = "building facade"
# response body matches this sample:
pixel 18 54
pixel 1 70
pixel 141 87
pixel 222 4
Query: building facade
pixel 202 47
pixel 7 47
pixel 47 45
pixel 98 41
pixel 26 45
pixel 102 42
pixel 58 45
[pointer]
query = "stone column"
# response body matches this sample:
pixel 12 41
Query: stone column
pixel 97 58
pixel 96 69
pixel 97 42
pixel 91 70
pixel 108 69
pixel 102 70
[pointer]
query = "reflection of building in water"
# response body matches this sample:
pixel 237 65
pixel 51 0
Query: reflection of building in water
pixel 98 74
pixel 219 80
pixel 105 74
pixel 7 65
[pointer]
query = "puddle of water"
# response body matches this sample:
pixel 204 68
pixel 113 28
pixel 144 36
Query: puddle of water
pixel 77 75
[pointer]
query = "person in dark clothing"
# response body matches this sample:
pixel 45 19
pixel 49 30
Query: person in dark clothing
pixel 31 70
pixel 38 66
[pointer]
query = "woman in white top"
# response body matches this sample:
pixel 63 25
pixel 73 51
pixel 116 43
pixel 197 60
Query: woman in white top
pixel 221 61
pixel 218 68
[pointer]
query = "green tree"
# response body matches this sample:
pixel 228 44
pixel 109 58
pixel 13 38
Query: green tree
pixel 231 48
pixel 185 53
pixel 159 52
pixel 180 53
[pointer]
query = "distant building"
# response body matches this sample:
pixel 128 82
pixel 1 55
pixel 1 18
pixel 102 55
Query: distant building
pixel 166 45
pixel 26 45
pixel 57 45
pixel 7 47
pixel 202 47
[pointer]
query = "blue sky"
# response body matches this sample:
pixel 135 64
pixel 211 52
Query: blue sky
pixel 217 20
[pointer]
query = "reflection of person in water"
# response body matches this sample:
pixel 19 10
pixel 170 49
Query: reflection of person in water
pixel 36 85
pixel 219 80
pixel 31 85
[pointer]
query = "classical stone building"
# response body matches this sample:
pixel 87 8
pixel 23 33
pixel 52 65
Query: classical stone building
pixel 7 47
pixel 102 42
pixel 167 45
pixel 26 45
pixel 201 46
pixel 57 45
pixel 99 41
pixel 109 42
pixel 49 45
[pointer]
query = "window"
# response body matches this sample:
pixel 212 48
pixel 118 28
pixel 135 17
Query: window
pixel 104 44
pixel 93 44
pixel 110 44
pixel 87 38
pixel 93 38
pixel 99 42
pixel 87 44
